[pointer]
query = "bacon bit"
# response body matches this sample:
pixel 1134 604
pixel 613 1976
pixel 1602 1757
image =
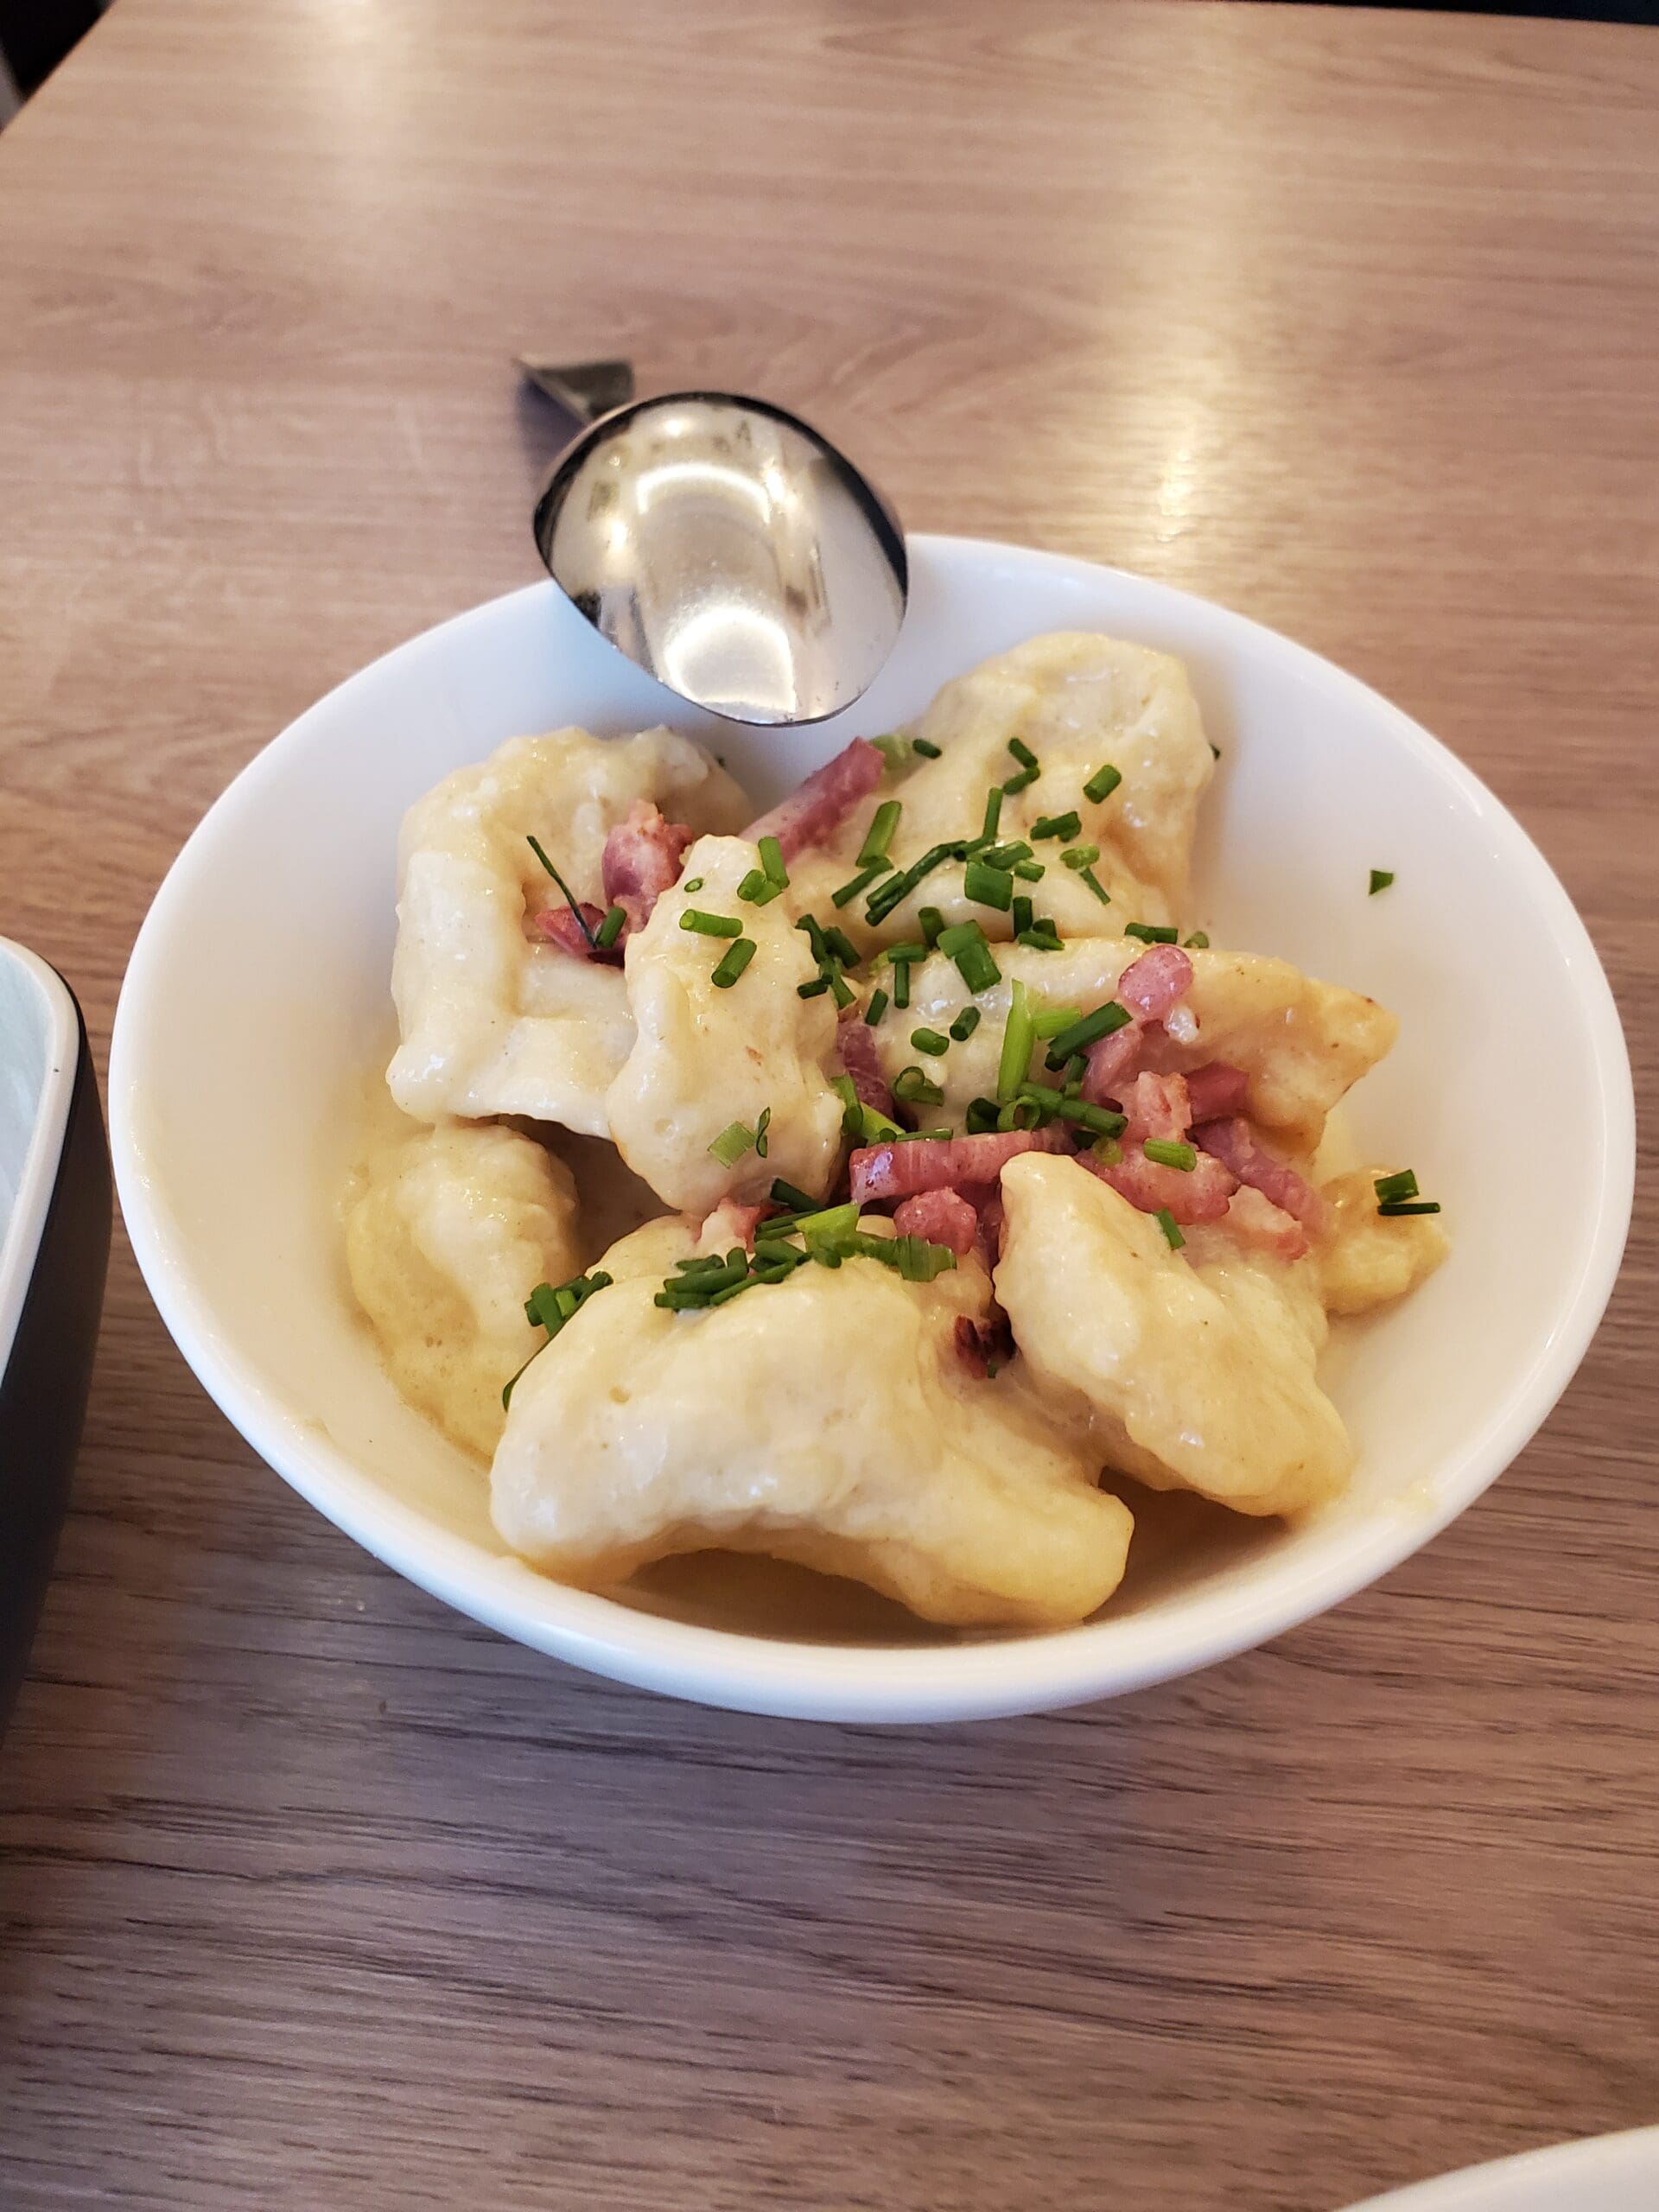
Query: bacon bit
pixel 1214 1089
pixel 1157 1107
pixel 1191 1195
pixel 983 1346
pixel 855 1044
pixel 731 1224
pixel 1150 986
pixel 1235 1144
pixel 819 807
pixel 898 1170
pixel 1256 1221
pixel 641 861
pixel 558 926
pixel 986 1199
pixel 942 1217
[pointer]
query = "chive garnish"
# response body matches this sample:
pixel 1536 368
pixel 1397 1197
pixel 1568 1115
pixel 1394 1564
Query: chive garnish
pixel 1392 1189
pixel 876 1009
pixel 757 889
pixel 850 890
pixel 611 928
pixel 932 922
pixel 904 955
pixel 929 1041
pixel 760 1128
pixel 549 1307
pixel 1052 1020
pixel 899 886
pixel 843 995
pixel 1109 1149
pixel 706 925
pixel 993 811
pixel 1081 856
pixel 1023 753
pixel 965 1024
pixel 895 750
pixel 574 905
pixel 1057 825
pixel 695 884
pixel 729 1146
pixel 988 886
pixel 790 1195
pixel 1088 1031
pixel 1102 1120
pixel 911 1088
pixel 927 748
pixel 1019 1038
pixel 1102 783
pixel 1096 886
pixel 981 1117
pixel 1029 871
pixel 841 947
pixel 1152 932
pixel 901 984
pixel 1004 856
pixel 1416 1206
pixel 1381 878
pixel 965 944
pixel 1018 783
pixel 736 958
pixel 814 935
pixel 1173 1235
pixel 1024 913
pixel 879 837
pixel 772 859
pixel 1197 942
pixel 815 989
pixel 1042 936
pixel 1018 1114
pixel 1170 1152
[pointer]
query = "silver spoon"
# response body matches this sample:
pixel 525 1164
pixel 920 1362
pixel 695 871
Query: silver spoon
pixel 722 544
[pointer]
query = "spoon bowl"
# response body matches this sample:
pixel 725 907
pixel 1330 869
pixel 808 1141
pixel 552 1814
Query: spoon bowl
pixel 729 550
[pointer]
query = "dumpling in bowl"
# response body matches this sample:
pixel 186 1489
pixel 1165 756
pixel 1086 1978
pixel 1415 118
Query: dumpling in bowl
pixel 830 1420
pixel 502 1005
pixel 708 1057
pixel 1194 1367
pixel 1077 704
pixel 450 1231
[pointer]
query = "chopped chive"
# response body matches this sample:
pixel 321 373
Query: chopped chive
pixel 1392 1189
pixel 550 1307
pixel 981 1117
pixel 1152 932
pixel 791 1195
pixel 876 1009
pixel 707 1263
pixel 1057 825
pixel 861 881
pixel 772 859
pixel 757 889
pixel 1173 1235
pixel 841 947
pixel 1170 1152
pixel 1043 1095
pixel 1416 1206
pixel 879 837
pixel 1081 856
pixel 1109 1149
pixel 966 945
pixel 904 955
pixel 729 1146
pixel 1080 1034
pixel 919 1262
pixel 1096 886
pixel 895 750
pixel 843 995
pixel 932 923
pixel 1018 1037
pixel 1004 856
pixel 1074 1068
pixel 1018 1114
pixel 695 884
pixel 1102 783
pixel 1381 878
pixel 1024 913
pixel 988 886
pixel 1043 936
pixel 911 1088
pixel 901 984
pixel 541 1308
pixel 1022 753
pixel 993 811
pixel 965 1024
pixel 1029 871
pixel 760 1128
pixel 710 924
pixel 815 989
pixel 929 1041
pixel 574 905
pixel 828 1221
pixel 736 958
pixel 1018 783
pixel 1197 942
pixel 814 930
pixel 927 748
pixel 1052 1020
pixel 899 886
pixel 611 928
pixel 1102 1120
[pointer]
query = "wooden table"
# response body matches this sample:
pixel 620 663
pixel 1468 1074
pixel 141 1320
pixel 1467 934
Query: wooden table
pixel 316 1896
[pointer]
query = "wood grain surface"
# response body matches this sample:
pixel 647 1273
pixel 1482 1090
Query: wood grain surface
pixel 315 1896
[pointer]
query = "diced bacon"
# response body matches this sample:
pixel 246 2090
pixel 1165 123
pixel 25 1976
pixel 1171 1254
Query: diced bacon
pixel 642 860
pixel 983 1346
pixel 1112 1064
pixel 558 926
pixel 942 1217
pixel 855 1043
pixel 1157 1107
pixel 986 1199
pixel 1235 1144
pixel 900 1171
pixel 1256 1221
pixel 1151 985
pixel 1190 1194
pixel 816 808
pixel 731 1224
pixel 1214 1089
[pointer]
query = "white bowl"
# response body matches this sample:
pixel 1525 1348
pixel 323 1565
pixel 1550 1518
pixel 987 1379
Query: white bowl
pixel 1608 2173
pixel 258 994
